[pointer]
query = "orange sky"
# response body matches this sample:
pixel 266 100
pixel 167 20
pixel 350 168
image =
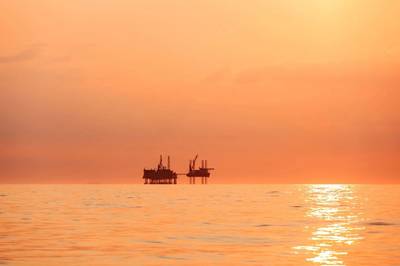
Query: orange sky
pixel 267 91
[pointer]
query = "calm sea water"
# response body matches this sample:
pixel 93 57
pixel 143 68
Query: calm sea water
pixel 199 225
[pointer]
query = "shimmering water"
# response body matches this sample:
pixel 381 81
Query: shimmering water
pixel 199 225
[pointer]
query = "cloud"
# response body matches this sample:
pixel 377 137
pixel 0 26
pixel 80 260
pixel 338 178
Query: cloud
pixel 218 75
pixel 321 74
pixel 61 59
pixel 24 55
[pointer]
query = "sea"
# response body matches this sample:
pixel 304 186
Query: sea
pixel 130 224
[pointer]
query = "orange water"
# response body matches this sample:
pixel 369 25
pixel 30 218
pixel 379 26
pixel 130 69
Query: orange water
pixel 199 225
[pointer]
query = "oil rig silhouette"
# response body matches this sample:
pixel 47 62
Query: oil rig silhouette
pixel 203 171
pixel 160 175
pixel 164 175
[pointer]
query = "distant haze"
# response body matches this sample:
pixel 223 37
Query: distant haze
pixel 267 91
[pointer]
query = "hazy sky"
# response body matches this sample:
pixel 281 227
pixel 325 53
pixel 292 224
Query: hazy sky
pixel 267 91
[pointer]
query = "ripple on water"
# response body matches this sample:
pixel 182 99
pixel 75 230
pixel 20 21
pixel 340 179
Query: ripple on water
pixel 379 223
pixel 374 232
pixel 153 241
pixel 171 258
pixel 274 193
pixel 263 225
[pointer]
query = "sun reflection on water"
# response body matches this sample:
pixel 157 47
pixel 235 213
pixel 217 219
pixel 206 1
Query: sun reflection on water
pixel 332 206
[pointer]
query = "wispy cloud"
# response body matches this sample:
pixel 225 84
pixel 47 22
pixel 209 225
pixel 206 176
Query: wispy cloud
pixel 320 74
pixel 218 75
pixel 24 55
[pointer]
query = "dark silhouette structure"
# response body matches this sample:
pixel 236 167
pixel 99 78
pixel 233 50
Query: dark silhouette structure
pixel 161 175
pixel 203 171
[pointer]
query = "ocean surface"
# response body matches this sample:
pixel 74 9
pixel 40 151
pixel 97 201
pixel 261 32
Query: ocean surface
pixel 199 225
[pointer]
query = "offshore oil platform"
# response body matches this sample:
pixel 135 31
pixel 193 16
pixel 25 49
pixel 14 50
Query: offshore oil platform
pixel 161 175
pixel 164 175
pixel 203 172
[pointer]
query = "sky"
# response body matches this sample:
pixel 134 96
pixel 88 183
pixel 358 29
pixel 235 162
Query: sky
pixel 268 91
